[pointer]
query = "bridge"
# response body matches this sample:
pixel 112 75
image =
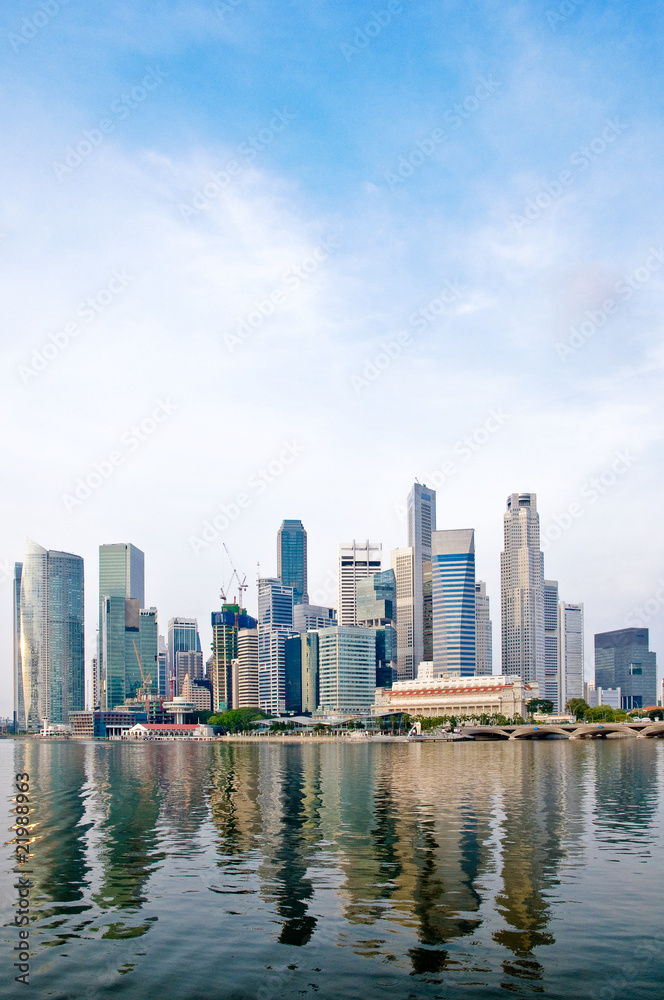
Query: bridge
pixel 571 731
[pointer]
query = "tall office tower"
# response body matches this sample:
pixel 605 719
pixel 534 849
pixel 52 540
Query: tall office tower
pixel 622 659
pixel 121 579
pixel 309 654
pixel 570 654
pixel 140 648
pixel 403 564
pixel 96 686
pixel 19 706
pixel 293 674
pixel 376 607
pixel 275 625
pixel 182 636
pixel 292 559
pixel 188 664
pixel 162 673
pixel 247 672
pixel 521 591
pixel 309 616
pixel 346 669
pixel 357 560
pixel 225 627
pixel 483 632
pixel 427 611
pixel 49 667
pixel 453 600
pixel 551 690
pixel 421 523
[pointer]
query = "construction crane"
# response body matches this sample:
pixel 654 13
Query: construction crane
pixel 241 584
pixel 147 681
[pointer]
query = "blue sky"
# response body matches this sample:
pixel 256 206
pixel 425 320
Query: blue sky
pixel 481 180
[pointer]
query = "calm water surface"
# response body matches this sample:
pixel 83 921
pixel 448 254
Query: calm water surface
pixel 263 871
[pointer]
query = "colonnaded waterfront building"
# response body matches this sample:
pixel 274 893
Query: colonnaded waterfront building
pixel 49 667
pixel 454 695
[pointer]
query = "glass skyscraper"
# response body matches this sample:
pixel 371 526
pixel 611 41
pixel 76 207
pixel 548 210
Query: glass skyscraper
pixel 292 559
pixel 121 597
pixel 622 659
pixel 522 592
pixel 421 523
pixel 275 625
pixel 182 637
pixel 49 666
pixel 453 601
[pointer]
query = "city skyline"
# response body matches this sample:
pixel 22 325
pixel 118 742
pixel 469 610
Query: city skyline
pixel 435 254
pixel 128 568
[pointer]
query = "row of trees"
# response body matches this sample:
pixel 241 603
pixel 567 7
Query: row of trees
pixel 604 713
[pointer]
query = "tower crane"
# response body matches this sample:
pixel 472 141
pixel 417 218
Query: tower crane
pixel 241 584
pixel 146 686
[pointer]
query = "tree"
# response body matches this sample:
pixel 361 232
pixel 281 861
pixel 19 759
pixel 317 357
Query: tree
pixel 656 714
pixel 236 720
pixel 577 707
pixel 542 705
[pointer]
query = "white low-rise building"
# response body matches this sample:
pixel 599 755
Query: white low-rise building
pixel 474 696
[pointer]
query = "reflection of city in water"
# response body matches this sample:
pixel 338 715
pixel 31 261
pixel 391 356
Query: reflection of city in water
pixel 336 865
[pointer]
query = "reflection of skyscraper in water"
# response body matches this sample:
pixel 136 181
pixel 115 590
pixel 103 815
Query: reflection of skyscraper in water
pixel 60 866
pixel 129 788
pixel 533 836
pixel 234 800
pixel 288 843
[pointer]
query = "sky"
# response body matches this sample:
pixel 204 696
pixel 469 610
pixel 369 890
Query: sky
pixel 264 261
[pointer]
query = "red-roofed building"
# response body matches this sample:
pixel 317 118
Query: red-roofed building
pixel 474 696
pixel 167 730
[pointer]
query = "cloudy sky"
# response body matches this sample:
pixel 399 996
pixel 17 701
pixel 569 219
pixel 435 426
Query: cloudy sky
pixel 277 260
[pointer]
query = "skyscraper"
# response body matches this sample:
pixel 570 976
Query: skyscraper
pixel 275 625
pixel 49 667
pixel 247 668
pixel 346 669
pixel 403 564
pixel 570 654
pixel 551 690
pixel 357 560
pixel 121 580
pixel 421 512
pixel 182 636
pixel 377 608
pixel 521 591
pixel 483 632
pixel 292 559
pixel 622 659
pixel 226 625
pixel 311 616
pixel 453 600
